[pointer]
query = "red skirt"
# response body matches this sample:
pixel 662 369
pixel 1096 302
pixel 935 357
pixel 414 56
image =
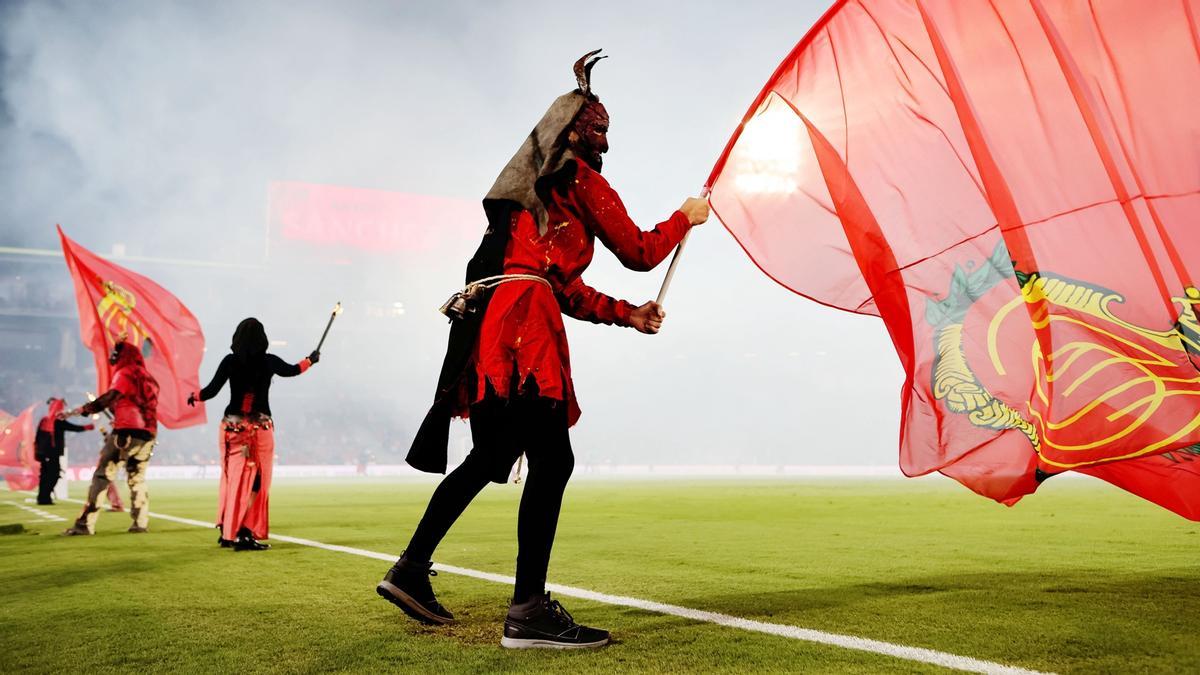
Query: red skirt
pixel 522 338
pixel 247 457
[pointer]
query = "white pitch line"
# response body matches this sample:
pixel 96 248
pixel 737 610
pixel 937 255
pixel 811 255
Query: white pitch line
pixel 44 515
pixel 919 654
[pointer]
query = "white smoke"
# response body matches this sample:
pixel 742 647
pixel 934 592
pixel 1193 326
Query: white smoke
pixel 158 125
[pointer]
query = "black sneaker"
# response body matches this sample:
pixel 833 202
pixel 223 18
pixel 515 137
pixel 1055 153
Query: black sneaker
pixel 407 586
pixel 546 624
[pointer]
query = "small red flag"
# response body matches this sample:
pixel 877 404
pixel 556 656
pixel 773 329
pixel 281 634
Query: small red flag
pixel 17 435
pixel 114 303
pixel 1013 188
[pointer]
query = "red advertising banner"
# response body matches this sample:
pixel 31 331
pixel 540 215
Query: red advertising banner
pixel 335 220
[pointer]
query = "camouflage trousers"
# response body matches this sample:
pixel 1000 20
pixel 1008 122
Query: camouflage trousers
pixel 135 454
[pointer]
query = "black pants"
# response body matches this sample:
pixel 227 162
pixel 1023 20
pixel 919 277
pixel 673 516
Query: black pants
pixel 50 472
pixel 501 430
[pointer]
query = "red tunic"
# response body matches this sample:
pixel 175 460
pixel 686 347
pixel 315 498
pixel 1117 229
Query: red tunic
pixel 136 407
pixel 522 330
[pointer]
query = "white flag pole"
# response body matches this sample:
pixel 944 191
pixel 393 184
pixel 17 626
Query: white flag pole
pixel 662 292
pixel 60 489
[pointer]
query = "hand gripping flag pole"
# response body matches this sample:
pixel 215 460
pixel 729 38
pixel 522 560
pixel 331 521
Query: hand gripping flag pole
pixel 107 413
pixel 662 292
pixel 337 309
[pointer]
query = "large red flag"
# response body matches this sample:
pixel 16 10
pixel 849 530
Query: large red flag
pixel 1013 187
pixel 17 461
pixel 115 302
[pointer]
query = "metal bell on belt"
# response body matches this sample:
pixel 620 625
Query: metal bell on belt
pixel 455 308
pixel 463 302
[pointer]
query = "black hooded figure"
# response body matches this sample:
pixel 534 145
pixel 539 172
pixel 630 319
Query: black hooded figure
pixel 249 340
pixel 507 365
pixel 247 441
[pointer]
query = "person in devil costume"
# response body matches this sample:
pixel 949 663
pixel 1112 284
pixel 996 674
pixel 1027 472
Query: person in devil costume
pixel 507 366
pixel 49 447
pixel 133 399
pixel 247 435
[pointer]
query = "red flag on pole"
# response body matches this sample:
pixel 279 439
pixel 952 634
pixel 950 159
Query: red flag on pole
pixel 1014 189
pixel 17 460
pixel 115 302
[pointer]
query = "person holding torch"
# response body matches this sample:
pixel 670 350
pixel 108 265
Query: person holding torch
pixel 247 439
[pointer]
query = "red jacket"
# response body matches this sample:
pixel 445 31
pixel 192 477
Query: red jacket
pixel 522 329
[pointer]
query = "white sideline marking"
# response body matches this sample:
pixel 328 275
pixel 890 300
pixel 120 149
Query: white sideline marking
pixel 919 654
pixel 43 515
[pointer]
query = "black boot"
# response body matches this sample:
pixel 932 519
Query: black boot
pixel 77 530
pixel 246 542
pixel 544 623
pixel 407 586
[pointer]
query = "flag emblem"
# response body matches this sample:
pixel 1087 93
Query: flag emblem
pixel 1105 390
pixel 115 310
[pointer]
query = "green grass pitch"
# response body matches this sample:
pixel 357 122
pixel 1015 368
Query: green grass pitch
pixel 1079 578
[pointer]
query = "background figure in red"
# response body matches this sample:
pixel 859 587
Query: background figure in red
pixel 247 437
pixel 114 498
pixel 508 367
pixel 134 403
pixel 49 448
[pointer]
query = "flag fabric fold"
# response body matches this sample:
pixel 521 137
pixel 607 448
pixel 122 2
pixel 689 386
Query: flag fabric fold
pixel 17 461
pixel 1013 187
pixel 116 303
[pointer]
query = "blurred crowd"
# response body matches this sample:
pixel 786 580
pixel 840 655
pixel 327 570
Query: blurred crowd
pixel 344 434
pixel 36 294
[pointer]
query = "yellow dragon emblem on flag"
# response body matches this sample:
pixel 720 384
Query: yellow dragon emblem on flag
pixel 1097 388
pixel 115 310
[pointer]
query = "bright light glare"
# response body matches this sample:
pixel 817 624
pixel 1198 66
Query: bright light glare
pixel 767 156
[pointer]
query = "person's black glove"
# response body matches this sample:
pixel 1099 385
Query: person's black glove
pixel 192 399
pixel 314 357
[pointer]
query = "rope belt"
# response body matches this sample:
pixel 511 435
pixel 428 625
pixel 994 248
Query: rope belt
pixel 491 282
pixel 467 300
